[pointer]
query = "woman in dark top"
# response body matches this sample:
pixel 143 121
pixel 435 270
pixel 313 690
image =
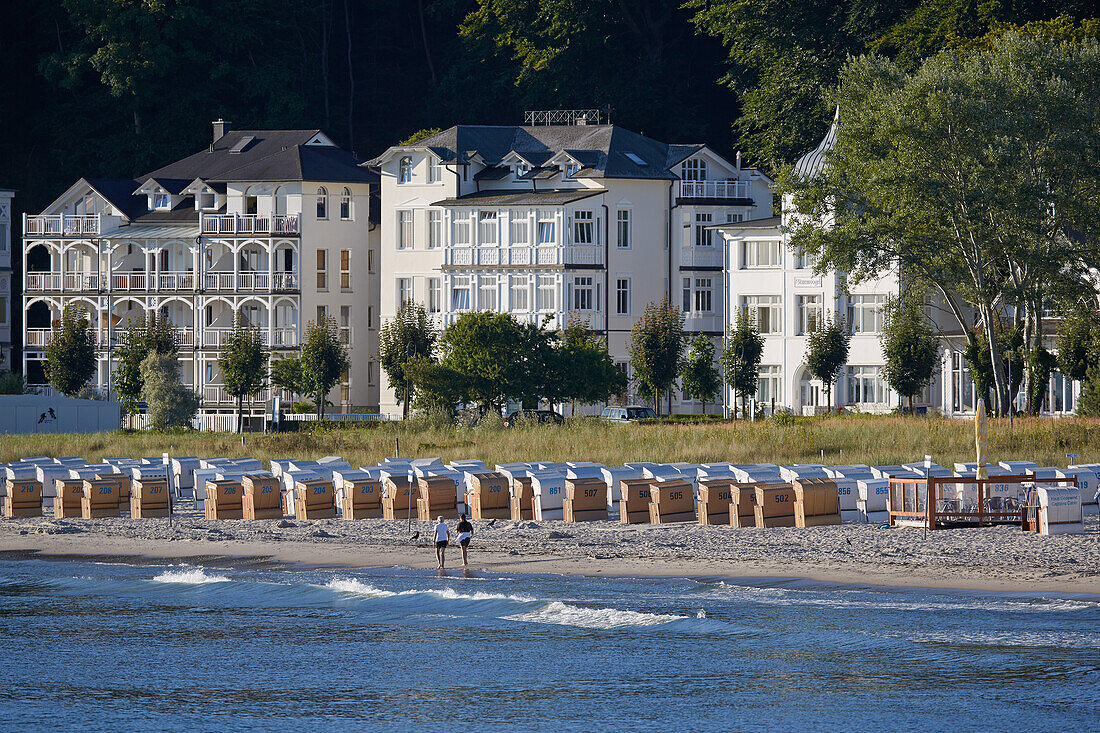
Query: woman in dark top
pixel 465 532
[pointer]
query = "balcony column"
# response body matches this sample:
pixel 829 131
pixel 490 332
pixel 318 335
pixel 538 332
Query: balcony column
pixel 270 321
pixel 237 269
pixel 61 262
pixel 270 265
pixel 156 270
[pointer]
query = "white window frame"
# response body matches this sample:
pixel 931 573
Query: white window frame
pixel 685 295
pixel 345 269
pixel 435 228
pixel 404 291
pixel 546 289
pixel 769 384
pixel 757 305
pixel 405 229
pixel 347 209
pixel 519 293
pixel 863 380
pixel 693 169
pixel 519 231
pixel 864 310
pixel 704 295
pixel 460 293
pixel 584 293
pixel 322 203
pixel 810 306
pixel 460 229
pixel 752 249
pixel 622 296
pixel 584 227
pixel 546 229
pixel 405 170
pixel 435 170
pixel 488 228
pixel 435 295
pixel 624 229
pixel 704 237
pixel 487 293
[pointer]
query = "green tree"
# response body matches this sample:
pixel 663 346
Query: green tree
pixel 243 364
pixel 826 353
pixel 12 383
pixel 1009 344
pixel 286 374
pixel 1078 343
pixel 988 208
pixel 910 348
pixel 153 335
pixel 419 135
pixel 586 372
pixel 324 360
pixel 485 347
pixel 70 355
pixel 656 349
pixel 408 336
pixel 741 358
pixel 701 378
pixel 171 403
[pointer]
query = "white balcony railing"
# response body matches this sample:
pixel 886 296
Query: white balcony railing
pixel 214 338
pixel 129 281
pixel 176 281
pixel 285 281
pixel 512 256
pixel 693 256
pixel 39 281
pixel 249 224
pixel 62 225
pixel 216 394
pixel 284 338
pixel 714 190
pixel 140 281
pixel 37 337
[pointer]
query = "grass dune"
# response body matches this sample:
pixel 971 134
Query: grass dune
pixel 834 440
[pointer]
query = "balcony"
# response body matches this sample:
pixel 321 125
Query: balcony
pixel 141 281
pixel 722 190
pixel 579 255
pixel 249 224
pixel 213 394
pixel 693 257
pixel 281 338
pixel 62 225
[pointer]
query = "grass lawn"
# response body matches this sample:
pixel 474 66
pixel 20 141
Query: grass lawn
pixel 844 439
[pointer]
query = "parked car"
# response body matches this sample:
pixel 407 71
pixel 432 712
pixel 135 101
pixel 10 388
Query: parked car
pixel 631 413
pixel 542 417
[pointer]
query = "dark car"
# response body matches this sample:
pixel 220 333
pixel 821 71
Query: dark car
pixel 633 413
pixel 542 417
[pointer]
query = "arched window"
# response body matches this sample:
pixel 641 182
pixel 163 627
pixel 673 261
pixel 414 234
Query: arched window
pixel 345 204
pixel 250 201
pixel 322 202
pixel 405 170
pixel 280 201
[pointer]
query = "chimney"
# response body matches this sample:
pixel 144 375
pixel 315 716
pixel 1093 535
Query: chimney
pixel 738 160
pixel 220 128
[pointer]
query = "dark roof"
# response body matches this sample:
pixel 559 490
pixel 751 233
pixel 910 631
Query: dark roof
pixel 520 198
pixel 272 155
pixel 119 192
pixel 492 173
pixel 601 149
pixel 770 222
pixel 171 185
pixel 812 162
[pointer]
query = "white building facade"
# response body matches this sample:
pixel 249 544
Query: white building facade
pixel 273 227
pixel 560 221
pixel 789 300
pixel 6 285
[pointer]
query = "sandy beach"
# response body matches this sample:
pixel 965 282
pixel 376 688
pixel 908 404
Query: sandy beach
pixel 990 558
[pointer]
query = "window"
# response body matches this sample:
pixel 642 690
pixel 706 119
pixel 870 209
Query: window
pixel 460 293
pixel 435 228
pixel 251 202
pixel 809 313
pixel 405 170
pixel 435 295
pixel 544 293
pixel 345 324
pixel 404 229
pixel 546 227
pixel 962 386
pixel 734 216
pixel 208 199
pixel 866 386
pixel 865 313
pixel 487 293
pixel 345 386
pixel 804 261
pixel 766 310
pixel 345 269
pixel 322 314
pixel 404 291
pixel 520 230
pixel 685 303
pixel 435 170
pixel 370 372
pixel 704 237
pixel 583 228
pixel 761 254
pixel 345 204
pixel 370 260
pixel 522 169
pixel 322 202
pixel 518 292
pixel 322 269
pixel 704 294
pixel 460 229
pixel 1060 393
pixel 769 386
pixel 487 227
pixel 370 316
pixel 622 229
pixel 3 310
pixel 694 169
pixel 622 296
pixel 582 294
pixel 160 200
pixel 571 169
pixel 279 200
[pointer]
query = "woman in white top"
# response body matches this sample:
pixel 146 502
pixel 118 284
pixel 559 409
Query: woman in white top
pixel 442 535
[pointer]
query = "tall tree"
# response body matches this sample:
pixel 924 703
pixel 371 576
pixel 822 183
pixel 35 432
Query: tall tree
pixel 910 348
pixel 152 336
pixel 656 349
pixel 826 354
pixel 286 374
pixel 243 364
pixel 324 360
pixel 70 355
pixel 171 403
pixel 741 358
pixel 701 378
pixel 584 368
pixel 484 347
pixel 408 336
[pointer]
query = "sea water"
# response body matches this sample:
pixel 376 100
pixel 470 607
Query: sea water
pixel 89 646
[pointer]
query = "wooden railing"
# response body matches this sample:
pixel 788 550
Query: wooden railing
pixel 249 224
pixel 62 225
pixel 924 502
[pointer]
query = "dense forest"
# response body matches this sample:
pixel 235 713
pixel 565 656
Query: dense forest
pixel 116 87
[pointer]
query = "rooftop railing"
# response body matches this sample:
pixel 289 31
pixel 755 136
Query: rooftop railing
pixel 249 224
pixel 62 225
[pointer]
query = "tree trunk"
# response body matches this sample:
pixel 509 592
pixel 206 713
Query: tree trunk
pixel 828 398
pixel 1000 388
pixel 911 405
pixel 240 414
pixel 657 402
pixel 405 405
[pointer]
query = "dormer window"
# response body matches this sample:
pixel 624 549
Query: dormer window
pixel 694 169
pixel 208 199
pixel 571 169
pixel 251 202
pixel 405 170
pixel 522 169
pixel 160 198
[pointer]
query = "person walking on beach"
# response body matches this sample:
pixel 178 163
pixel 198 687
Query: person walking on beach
pixel 465 532
pixel 442 535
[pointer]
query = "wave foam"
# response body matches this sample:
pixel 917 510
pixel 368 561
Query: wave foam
pixel 451 594
pixel 189 576
pixel 565 614
pixel 351 585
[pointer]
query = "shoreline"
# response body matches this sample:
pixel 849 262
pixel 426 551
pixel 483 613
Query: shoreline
pixel 60 542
